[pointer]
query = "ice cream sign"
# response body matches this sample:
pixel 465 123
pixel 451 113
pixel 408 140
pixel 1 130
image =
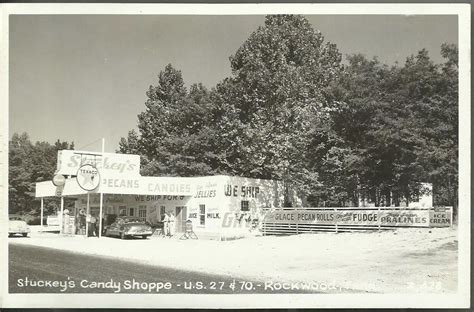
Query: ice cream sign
pixel 69 162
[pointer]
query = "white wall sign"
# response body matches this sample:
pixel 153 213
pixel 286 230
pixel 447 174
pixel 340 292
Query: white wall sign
pixel 69 162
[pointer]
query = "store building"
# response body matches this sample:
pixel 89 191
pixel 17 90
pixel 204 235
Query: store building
pixel 109 185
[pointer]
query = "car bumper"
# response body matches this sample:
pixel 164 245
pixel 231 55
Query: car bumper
pixel 138 233
pixel 19 231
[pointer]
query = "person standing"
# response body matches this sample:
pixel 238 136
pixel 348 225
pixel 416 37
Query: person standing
pixel 166 225
pixel 172 220
pixel 88 225
pixel 93 226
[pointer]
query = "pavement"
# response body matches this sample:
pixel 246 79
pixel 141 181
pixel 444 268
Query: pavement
pixel 44 270
pixel 402 261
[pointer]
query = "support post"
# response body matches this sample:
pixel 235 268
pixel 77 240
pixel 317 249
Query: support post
pixel 101 194
pixel 100 214
pixel 61 217
pixel 452 217
pixel 87 215
pixel 378 219
pixel 42 209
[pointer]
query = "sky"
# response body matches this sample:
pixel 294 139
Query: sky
pixel 81 78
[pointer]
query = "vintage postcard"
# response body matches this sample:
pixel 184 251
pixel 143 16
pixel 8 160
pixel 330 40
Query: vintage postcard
pixel 235 156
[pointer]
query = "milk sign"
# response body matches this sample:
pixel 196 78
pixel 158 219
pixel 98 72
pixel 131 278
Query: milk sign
pixel 69 162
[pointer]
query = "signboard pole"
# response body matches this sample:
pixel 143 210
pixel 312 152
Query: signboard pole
pixel 42 208
pixel 101 194
pixel 61 217
pixel 87 216
pixel 452 217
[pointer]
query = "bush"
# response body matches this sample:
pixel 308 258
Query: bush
pixel 35 220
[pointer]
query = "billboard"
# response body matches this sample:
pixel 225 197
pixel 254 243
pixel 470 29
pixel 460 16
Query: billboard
pixel 370 217
pixel 69 162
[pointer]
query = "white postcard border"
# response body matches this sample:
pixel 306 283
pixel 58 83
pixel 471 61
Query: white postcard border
pixel 460 300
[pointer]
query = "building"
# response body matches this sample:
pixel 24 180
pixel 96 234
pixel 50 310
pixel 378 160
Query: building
pixel 219 207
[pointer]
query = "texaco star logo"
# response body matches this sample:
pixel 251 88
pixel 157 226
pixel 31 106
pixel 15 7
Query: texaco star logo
pixel 88 177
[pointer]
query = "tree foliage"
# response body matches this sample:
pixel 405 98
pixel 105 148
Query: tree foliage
pixel 276 100
pixel 30 163
pixel 291 111
pixel 401 123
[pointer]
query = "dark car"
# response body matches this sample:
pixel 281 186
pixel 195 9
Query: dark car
pixel 129 227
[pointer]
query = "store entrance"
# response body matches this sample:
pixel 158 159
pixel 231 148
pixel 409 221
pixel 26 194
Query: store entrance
pixel 181 214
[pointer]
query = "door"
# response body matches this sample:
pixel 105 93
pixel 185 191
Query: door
pixel 181 213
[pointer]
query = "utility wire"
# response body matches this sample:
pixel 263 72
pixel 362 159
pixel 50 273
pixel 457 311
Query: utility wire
pixel 80 148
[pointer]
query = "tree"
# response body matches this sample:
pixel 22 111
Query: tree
pixel 176 131
pixel 439 115
pixel 158 121
pixel 400 123
pixel 20 183
pixel 275 101
pixel 28 164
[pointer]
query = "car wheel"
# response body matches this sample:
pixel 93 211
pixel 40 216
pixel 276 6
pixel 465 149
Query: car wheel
pixel 24 234
pixel 122 235
pixel 144 236
pixel 10 234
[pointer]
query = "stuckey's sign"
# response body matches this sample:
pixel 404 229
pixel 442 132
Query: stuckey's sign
pixel 69 162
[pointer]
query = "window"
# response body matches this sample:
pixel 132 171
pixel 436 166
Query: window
pixel 202 214
pixel 142 211
pixel 131 212
pixel 244 205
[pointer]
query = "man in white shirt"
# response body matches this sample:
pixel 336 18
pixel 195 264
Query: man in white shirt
pixel 166 225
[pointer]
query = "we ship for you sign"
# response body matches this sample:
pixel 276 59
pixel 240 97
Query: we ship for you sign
pixel 438 217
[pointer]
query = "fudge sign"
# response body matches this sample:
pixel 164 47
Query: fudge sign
pixel 88 177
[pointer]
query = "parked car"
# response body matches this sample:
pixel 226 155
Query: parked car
pixel 129 227
pixel 17 225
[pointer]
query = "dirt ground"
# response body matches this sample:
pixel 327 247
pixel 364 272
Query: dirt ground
pixel 401 261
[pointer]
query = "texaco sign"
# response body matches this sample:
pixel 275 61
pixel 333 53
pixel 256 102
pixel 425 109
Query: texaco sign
pixel 88 177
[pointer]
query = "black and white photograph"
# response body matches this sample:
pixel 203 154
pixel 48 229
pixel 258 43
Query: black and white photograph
pixel 235 156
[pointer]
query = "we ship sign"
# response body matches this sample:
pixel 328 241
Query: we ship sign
pixel 370 217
